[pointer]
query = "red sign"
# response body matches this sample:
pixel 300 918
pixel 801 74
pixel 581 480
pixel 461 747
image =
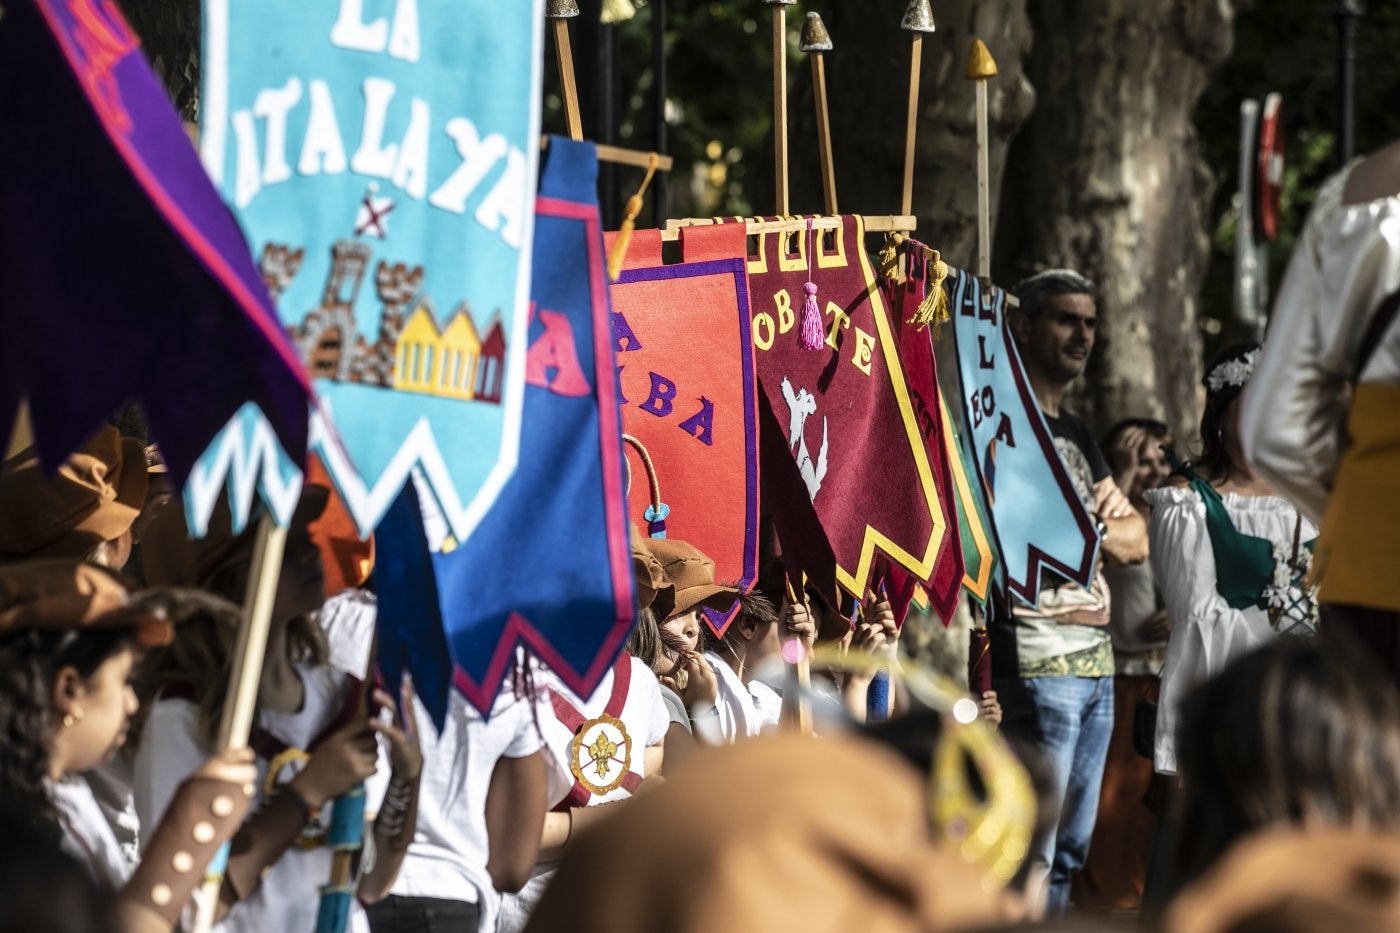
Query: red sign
pixel 850 421
pixel 686 370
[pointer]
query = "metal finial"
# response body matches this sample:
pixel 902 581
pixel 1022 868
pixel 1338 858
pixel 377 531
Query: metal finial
pixel 980 64
pixel 815 38
pixel 616 11
pixel 918 17
pixel 560 9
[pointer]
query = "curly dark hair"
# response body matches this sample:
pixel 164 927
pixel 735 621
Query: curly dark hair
pixel 30 661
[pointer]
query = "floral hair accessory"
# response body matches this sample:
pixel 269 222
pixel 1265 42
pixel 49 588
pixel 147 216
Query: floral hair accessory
pixel 1234 372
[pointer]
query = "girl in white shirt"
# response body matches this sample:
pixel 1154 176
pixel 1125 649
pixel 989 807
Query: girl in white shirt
pixel 313 739
pixel 69 637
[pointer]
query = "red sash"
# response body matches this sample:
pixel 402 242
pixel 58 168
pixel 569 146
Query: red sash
pixel 574 720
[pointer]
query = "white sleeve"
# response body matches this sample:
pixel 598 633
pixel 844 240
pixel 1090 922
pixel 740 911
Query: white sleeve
pixel 1291 408
pixel 1345 265
pixel 171 750
pixel 1206 633
pixel 658 713
pixel 527 718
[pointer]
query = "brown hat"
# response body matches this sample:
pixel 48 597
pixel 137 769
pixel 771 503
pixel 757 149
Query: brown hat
pixel 1291 879
pixel 169 557
pixel 693 576
pixel 69 594
pixel 95 497
pixel 654 591
pixel 775 856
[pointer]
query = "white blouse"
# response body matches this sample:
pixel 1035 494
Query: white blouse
pixel 1206 633
pixel 1346 261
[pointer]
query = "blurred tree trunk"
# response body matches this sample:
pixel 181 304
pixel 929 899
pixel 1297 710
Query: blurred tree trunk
pixel 1107 178
pixel 169 31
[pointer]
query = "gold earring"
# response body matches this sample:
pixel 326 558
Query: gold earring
pixel 74 717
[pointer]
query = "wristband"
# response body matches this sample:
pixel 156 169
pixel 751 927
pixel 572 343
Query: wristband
pixel 308 812
pixel 709 713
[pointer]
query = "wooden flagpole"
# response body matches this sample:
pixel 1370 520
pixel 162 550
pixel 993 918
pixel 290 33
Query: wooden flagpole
pixel 559 13
pixel 801 667
pixel 816 42
pixel 873 224
pixel 918 19
pixel 780 140
pixel 980 68
pixel 245 673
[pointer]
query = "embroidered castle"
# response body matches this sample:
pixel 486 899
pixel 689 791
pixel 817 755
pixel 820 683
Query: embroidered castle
pixel 410 353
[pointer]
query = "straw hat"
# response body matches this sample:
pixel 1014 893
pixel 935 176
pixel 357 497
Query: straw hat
pixel 95 496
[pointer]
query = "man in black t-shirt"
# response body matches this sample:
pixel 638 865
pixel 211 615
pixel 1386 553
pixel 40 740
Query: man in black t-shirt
pixel 1053 662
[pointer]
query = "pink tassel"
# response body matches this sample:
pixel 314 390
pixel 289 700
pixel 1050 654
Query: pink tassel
pixel 811 336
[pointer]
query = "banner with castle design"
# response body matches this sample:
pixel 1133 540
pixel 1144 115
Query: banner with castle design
pixel 686 366
pixel 850 422
pixel 550 564
pixel 1039 518
pixel 381 157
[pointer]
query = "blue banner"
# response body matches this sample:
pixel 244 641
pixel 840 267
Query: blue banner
pixel 381 158
pixel 1039 519
pixel 550 564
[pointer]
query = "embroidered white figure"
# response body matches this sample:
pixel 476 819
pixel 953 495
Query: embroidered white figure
pixel 800 405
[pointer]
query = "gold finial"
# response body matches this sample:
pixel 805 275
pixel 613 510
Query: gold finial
pixel 980 64
pixel 815 38
pixel 918 17
pixel 561 9
pixel 616 11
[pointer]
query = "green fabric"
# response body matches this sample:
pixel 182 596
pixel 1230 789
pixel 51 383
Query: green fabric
pixel 972 558
pixel 1244 564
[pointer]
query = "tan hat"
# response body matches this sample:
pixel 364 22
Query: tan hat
pixel 692 574
pixel 95 496
pixel 1292 879
pixel 169 557
pixel 774 853
pixel 654 591
pixel 70 594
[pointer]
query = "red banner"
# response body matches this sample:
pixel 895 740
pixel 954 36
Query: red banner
pixel 850 421
pixel 686 368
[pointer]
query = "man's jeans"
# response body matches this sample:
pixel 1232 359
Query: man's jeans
pixel 1068 720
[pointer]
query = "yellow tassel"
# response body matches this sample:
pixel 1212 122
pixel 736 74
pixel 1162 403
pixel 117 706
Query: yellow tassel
pixel 888 258
pixel 934 308
pixel 616 11
pixel 629 221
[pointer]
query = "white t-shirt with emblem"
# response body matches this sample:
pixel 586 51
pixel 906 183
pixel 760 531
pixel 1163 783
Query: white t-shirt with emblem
pixel 646 718
pixel 172 749
pixel 447 858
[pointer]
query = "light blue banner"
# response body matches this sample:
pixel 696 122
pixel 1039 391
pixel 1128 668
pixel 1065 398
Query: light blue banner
pixel 381 157
pixel 1039 519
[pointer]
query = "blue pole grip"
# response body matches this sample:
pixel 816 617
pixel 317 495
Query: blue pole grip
pixel 218 864
pixel 347 829
pixel 333 914
pixel 877 700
